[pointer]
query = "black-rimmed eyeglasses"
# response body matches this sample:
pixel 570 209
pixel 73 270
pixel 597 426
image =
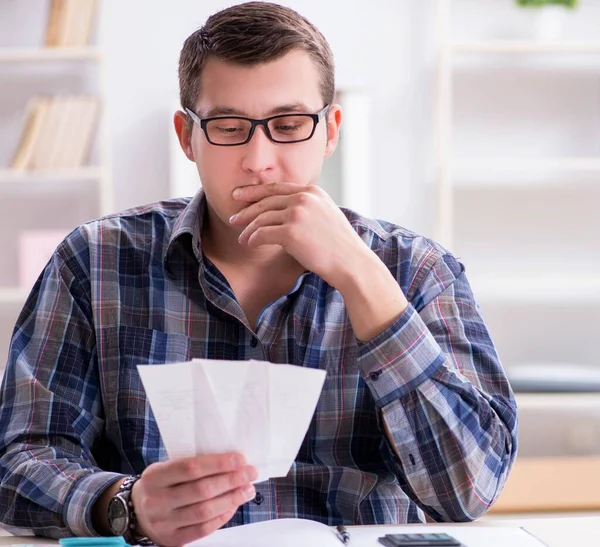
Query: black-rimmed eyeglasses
pixel 237 130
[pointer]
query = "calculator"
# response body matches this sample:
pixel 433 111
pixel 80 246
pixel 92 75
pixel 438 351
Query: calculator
pixel 419 540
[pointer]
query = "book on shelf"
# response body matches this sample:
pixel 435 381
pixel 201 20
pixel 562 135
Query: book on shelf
pixel 57 133
pixel 70 23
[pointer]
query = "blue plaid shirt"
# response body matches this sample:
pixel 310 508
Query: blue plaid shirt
pixel 134 288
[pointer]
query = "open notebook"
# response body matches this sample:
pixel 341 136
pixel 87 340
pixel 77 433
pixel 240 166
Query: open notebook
pixel 307 533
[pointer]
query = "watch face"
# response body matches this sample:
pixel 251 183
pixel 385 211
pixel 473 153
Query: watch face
pixel 118 516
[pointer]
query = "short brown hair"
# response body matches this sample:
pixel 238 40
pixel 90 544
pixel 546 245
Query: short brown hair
pixel 249 34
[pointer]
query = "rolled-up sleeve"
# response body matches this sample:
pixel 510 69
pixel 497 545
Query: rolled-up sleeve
pixel 444 399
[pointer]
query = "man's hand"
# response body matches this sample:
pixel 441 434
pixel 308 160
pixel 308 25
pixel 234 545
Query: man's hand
pixel 305 221
pixel 179 501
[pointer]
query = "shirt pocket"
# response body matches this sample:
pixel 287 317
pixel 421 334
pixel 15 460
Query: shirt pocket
pixel 141 346
pixel 131 426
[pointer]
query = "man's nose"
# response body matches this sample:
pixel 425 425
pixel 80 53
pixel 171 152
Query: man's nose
pixel 260 152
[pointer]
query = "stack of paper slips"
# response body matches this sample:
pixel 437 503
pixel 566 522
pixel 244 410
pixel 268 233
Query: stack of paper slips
pixel 260 409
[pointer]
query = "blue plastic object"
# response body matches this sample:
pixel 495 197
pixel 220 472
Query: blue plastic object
pixel 111 541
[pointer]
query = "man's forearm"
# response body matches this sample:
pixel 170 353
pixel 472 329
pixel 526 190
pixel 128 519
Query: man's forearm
pixel 446 408
pixel 372 296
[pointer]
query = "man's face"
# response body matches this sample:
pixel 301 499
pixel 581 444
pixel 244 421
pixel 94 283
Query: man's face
pixel 290 84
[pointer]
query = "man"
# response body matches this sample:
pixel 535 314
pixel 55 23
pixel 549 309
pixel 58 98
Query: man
pixel 416 416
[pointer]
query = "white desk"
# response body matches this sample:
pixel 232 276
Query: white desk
pixel 555 532
pixel 560 531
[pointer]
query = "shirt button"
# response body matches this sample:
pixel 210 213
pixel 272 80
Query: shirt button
pixel 254 342
pixel 375 375
pixel 258 499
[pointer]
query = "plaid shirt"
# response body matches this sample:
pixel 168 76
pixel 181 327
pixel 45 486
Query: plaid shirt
pixel 134 288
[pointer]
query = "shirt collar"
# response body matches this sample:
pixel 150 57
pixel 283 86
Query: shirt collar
pixel 188 226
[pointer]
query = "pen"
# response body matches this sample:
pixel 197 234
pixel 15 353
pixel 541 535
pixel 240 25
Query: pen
pixel 343 534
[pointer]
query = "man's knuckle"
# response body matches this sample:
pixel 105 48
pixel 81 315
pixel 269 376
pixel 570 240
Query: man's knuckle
pixel 204 490
pixel 224 463
pixel 189 467
pixel 302 199
pixel 238 478
pixel 263 204
pixel 202 512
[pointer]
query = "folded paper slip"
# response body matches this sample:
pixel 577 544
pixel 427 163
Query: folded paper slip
pixel 260 409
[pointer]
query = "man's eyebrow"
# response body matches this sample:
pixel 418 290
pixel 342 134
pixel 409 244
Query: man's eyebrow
pixel 216 111
pixel 298 108
pixel 220 111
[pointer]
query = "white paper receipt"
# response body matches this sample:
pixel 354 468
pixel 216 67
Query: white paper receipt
pixel 260 409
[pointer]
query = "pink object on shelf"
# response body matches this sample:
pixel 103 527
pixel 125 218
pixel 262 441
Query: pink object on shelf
pixel 35 249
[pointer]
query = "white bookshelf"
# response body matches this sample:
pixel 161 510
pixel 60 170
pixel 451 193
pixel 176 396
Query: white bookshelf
pixel 73 195
pixel 12 296
pixel 523 46
pixel 582 290
pixel 522 283
pixel 573 165
pixel 54 176
pixel 35 55
pixel 447 165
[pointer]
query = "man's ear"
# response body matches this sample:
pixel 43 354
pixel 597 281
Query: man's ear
pixel 334 122
pixel 184 133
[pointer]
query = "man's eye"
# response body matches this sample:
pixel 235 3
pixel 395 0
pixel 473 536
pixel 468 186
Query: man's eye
pixel 228 130
pixel 287 128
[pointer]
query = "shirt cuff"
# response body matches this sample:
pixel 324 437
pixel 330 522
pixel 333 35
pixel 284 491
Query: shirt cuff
pixel 400 358
pixel 83 495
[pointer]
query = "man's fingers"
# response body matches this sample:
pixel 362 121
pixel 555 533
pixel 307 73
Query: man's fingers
pixel 209 488
pixel 256 192
pixel 248 214
pixel 270 218
pixel 174 472
pixel 270 235
pixel 208 510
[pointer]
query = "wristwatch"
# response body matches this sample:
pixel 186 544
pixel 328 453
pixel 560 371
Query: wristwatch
pixel 121 516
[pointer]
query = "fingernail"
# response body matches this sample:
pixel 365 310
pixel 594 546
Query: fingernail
pixel 249 492
pixel 232 218
pixel 237 193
